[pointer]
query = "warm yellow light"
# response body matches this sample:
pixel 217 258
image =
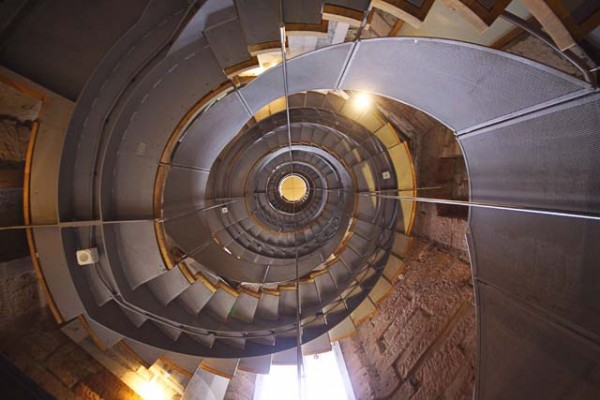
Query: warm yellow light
pixel 253 72
pixel 361 100
pixel 293 188
pixel 152 390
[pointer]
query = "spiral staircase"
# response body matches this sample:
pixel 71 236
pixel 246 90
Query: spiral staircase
pixel 174 168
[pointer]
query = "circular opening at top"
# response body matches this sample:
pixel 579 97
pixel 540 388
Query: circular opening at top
pixel 293 188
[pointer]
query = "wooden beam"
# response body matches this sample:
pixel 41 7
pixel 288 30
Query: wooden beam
pixel 318 30
pixel 551 23
pixel 405 10
pixel 396 28
pixel 512 35
pixel 468 14
pixel 370 16
pixel 585 23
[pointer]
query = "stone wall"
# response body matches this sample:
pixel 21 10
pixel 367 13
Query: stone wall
pixel 17 113
pixel 33 342
pixel 530 47
pixel 421 344
pixel 441 173
pixel 13 243
pixel 241 387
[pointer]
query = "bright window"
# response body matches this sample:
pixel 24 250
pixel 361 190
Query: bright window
pixel 325 378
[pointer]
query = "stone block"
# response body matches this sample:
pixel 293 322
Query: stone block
pixel 423 340
pixel 71 364
pixel 241 386
pixel 42 345
pixel 44 378
pixel 443 364
pixel 405 391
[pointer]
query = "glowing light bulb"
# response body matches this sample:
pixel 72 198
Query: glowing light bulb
pixel 362 100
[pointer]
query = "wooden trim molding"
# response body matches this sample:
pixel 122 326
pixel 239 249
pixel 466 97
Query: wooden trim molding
pixel 228 289
pixel 508 38
pixel 23 89
pixel 248 369
pixel 413 172
pixel 39 274
pixel 405 10
pixel 396 28
pixel 265 47
pixel 479 16
pixel 249 292
pixel 201 278
pixel 215 372
pixel 176 367
pixel 343 14
pixel 367 317
pixel 86 325
pixel 241 67
pixel 272 292
pixel 318 30
pixel 186 272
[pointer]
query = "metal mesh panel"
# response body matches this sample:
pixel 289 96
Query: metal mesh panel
pixel 548 261
pixel 461 85
pixel 550 159
pixel 319 69
pixel 524 357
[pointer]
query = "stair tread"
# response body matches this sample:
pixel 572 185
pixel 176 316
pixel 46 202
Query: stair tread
pixel 103 337
pixel 136 318
pixel 342 330
pixel 228 43
pixel 220 304
pixel 224 367
pixel 146 353
pixel 302 12
pixel 286 357
pixel 268 307
pixel 267 12
pixel 169 285
pixel 245 307
pixel 321 344
pixel 141 259
pixel 195 297
pixel 169 331
pixel 256 365
pixel 184 361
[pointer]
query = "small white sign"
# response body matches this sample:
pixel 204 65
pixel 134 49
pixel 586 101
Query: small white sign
pixel 87 256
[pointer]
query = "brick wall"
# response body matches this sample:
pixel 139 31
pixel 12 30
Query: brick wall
pixel 528 46
pixel 33 342
pixel 241 387
pixel 421 344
